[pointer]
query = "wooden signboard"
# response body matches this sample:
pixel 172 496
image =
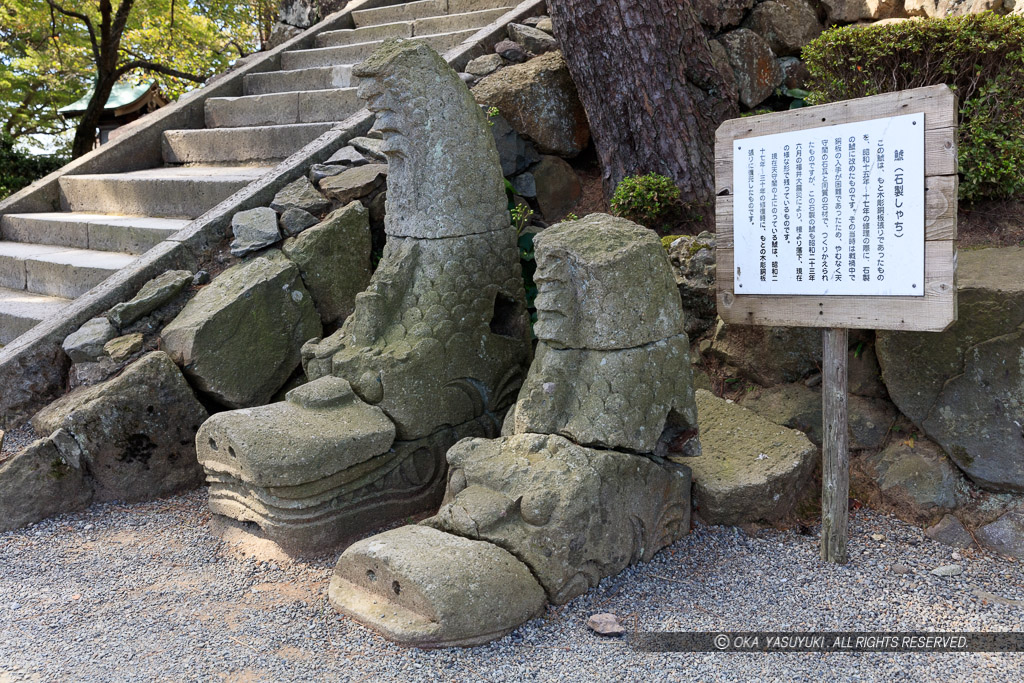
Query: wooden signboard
pixel 935 309
pixel 840 216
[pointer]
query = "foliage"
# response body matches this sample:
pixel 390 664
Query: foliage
pixel 651 200
pixel 521 215
pixel 47 59
pixel 667 240
pixel 18 168
pixel 979 56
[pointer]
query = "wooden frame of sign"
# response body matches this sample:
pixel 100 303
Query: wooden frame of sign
pixel 936 310
pixel 785 266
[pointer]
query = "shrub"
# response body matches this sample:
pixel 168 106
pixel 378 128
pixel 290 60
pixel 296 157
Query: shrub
pixel 651 200
pixel 980 56
pixel 18 169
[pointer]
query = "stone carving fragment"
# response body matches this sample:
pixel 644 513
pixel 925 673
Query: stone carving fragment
pixel 577 489
pixel 435 349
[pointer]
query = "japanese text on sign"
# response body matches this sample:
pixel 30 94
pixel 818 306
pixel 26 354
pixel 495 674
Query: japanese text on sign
pixel 836 210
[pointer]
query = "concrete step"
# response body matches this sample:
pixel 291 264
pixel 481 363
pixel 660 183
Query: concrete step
pixel 126 234
pixel 307 106
pixel 244 145
pixel 56 271
pixel 395 13
pixel 318 78
pixel 20 311
pixel 446 23
pixel 421 10
pixel 351 54
pixel 183 192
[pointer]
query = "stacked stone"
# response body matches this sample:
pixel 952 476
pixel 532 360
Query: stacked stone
pixel 579 487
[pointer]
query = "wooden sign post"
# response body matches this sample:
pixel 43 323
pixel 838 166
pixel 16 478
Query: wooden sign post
pixel 840 216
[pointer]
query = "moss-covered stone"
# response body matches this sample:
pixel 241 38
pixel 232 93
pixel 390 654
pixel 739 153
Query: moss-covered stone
pixel 334 260
pixel 239 339
pixel 751 469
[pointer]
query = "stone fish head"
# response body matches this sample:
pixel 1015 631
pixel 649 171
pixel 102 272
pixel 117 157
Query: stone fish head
pixel 444 177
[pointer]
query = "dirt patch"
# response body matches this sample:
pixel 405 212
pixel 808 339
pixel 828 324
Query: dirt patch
pixel 592 199
pixel 991 224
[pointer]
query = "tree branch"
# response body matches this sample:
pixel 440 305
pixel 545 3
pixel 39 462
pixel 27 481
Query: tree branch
pixel 85 20
pixel 158 68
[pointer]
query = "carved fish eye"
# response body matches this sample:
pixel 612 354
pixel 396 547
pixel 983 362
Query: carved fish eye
pixel 537 507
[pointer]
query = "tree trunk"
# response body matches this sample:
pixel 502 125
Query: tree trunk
pixel 85 131
pixel 650 88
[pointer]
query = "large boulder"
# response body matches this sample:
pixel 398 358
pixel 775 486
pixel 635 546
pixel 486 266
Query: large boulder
pixel 754 66
pixel 768 355
pixel 134 434
pixel 556 186
pixel 239 338
pixel 716 15
pixel 799 407
pixel 39 482
pixel 751 470
pixel 334 260
pixel 787 25
pixel 845 11
pixel 916 477
pixel 963 386
pixel 539 100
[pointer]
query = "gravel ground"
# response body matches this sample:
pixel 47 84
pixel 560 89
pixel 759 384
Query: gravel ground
pixel 145 592
pixel 16 439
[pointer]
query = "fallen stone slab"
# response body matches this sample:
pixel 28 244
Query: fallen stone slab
pixel 354 183
pixel 85 345
pixel 751 469
pixel 239 339
pixel 300 194
pixel 151 296
pixel 334 260
pixel 254 229
pixel 532 39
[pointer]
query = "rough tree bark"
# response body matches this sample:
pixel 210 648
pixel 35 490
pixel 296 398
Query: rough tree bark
pixel 650 88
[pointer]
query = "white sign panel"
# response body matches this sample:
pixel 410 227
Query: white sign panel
pixel 836 210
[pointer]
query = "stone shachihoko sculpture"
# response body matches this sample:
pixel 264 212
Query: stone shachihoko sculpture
pixel 579 486
pixel 435 350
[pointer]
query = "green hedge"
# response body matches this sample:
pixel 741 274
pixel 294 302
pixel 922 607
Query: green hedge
pixel 18 169
pixel 979 56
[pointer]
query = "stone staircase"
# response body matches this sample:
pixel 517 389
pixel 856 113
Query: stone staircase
pixel 48 259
